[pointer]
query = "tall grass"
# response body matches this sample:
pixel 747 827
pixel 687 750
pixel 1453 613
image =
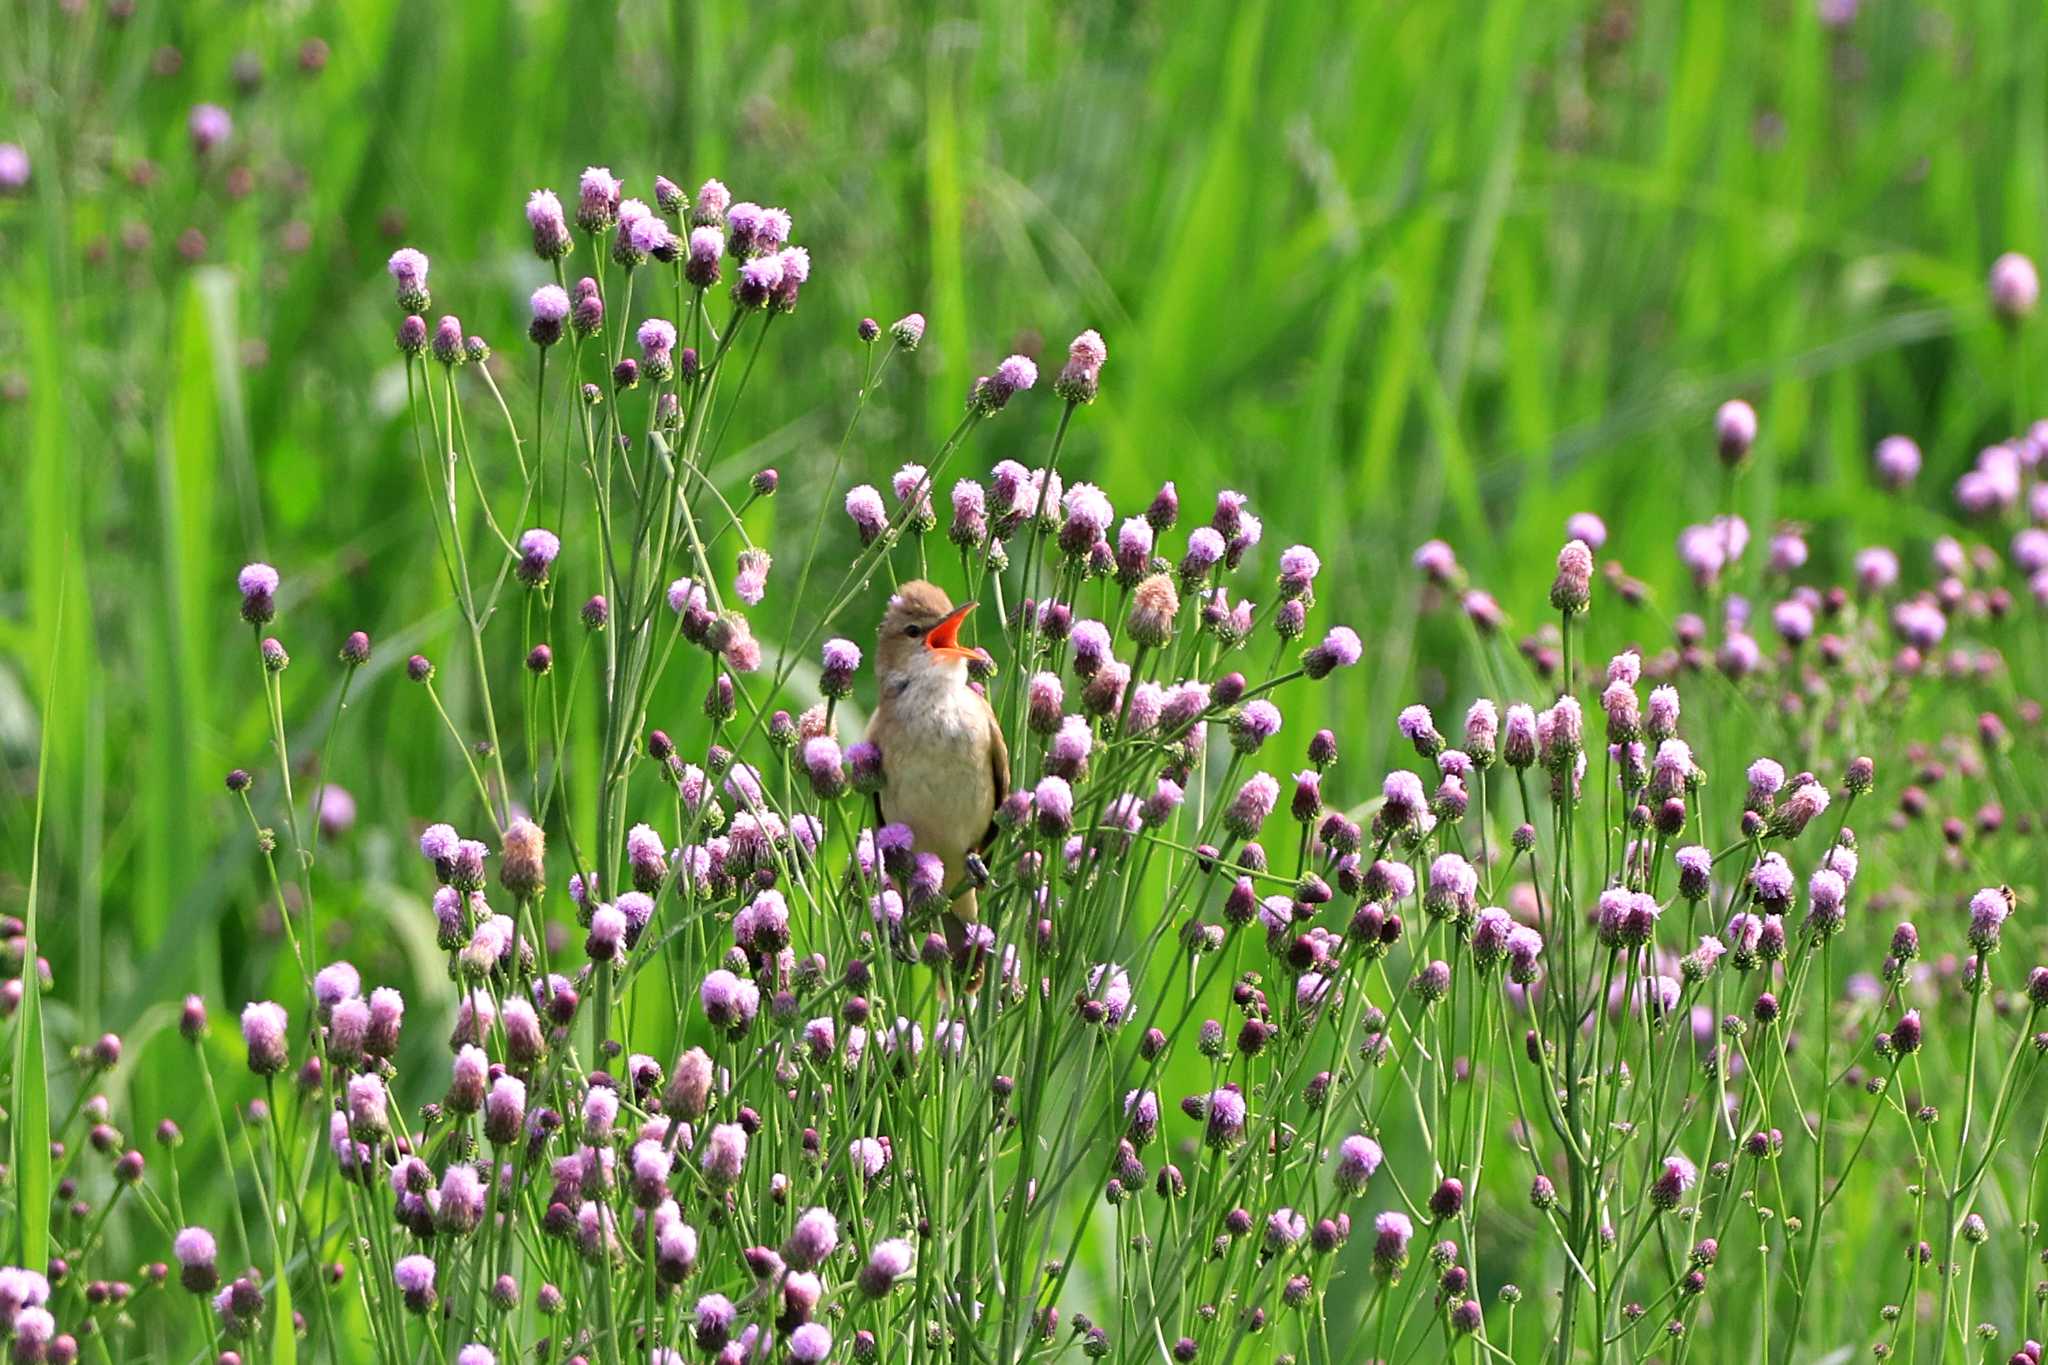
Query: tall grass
pixel 1395 270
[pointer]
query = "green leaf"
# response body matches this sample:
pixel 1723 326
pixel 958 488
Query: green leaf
pixel 284 1340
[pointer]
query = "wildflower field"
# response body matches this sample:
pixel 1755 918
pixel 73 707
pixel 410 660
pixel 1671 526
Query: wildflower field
pixel 993 684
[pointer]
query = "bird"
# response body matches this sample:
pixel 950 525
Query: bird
pixel 945 765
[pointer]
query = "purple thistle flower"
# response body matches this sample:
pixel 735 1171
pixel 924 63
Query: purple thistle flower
pixel 1695 863
pixel 750 582
pixel 264 1025
pixel 538 550
pixel 1437 562
pixel 505 1110
pixel 1154 605
pixel 812 1241
pixel 766 228
pixel 810 1344
pixel 14 168
pixel 1418 727
pixel 646 235
pixel 194 1251
pixel 796 272
pixel 597 199
pixel 1524 948
pixel 887 1263
pixel 1013 376
pixel 970 514
pixel 550 229
pixel 408 269
pixel 1896 461
pixel 701 264
pixel 742 222
pixel 1453 884
pixel 870 517
pixel 1358 1157
pixel 334 983
pixel 1490 930
pixel 1253 803
pixel 1988 911
pixel 209 126
pixel 1392 1233
pixel 1403 801
pixel 1587 527
pixel 1081 377
pixel 414 1276
pixel 657 338
pixel 1482 733
pixel 724 1155
pixel 1571 590
pixel 760 276
pixel 1432 983
pixel 1284 1228
pixel 840 660
pixel 550 304
pixel 1299 566
pixel 713 198
pixel 1223 1111
pixel 1672 1182
pixel 448 344
pixel 912 487
pixel 1045 697
pixel 1052 803
pixel 258 583
pixel 1134 543
pixel 1206 548
pixel 729 1002
pixel 1339 649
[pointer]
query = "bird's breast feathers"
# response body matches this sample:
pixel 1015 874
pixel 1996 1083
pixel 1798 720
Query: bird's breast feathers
pixel 937 762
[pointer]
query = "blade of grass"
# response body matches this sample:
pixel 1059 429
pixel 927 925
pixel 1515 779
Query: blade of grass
pixel 31 1129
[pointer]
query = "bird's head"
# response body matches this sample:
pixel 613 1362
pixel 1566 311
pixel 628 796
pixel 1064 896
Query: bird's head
pixel 920 631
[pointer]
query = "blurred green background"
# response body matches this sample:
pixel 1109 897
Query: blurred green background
pixel 1395 270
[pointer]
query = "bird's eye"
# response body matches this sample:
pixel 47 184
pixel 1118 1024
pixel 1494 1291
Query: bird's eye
pixel 913 631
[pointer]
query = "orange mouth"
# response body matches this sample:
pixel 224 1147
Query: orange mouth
pixel 944 638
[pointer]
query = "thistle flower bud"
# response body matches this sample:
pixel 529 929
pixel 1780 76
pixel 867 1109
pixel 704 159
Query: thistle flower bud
pixel 447 343
pixel 908 331
pixel 1571 590
pixel 1432 983
pixel 586 319
pixel 1080 378
pixel 2014 286
pixel 1735 429
pixel 1672 1182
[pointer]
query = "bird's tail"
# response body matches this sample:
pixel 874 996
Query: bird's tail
pixel 963 912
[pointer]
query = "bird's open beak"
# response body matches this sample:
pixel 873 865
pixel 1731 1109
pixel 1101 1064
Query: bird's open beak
pixel 944 638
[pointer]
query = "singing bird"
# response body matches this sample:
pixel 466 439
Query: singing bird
pixel 944 762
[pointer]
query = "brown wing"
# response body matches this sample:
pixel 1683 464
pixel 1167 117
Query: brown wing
pixel 999 767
